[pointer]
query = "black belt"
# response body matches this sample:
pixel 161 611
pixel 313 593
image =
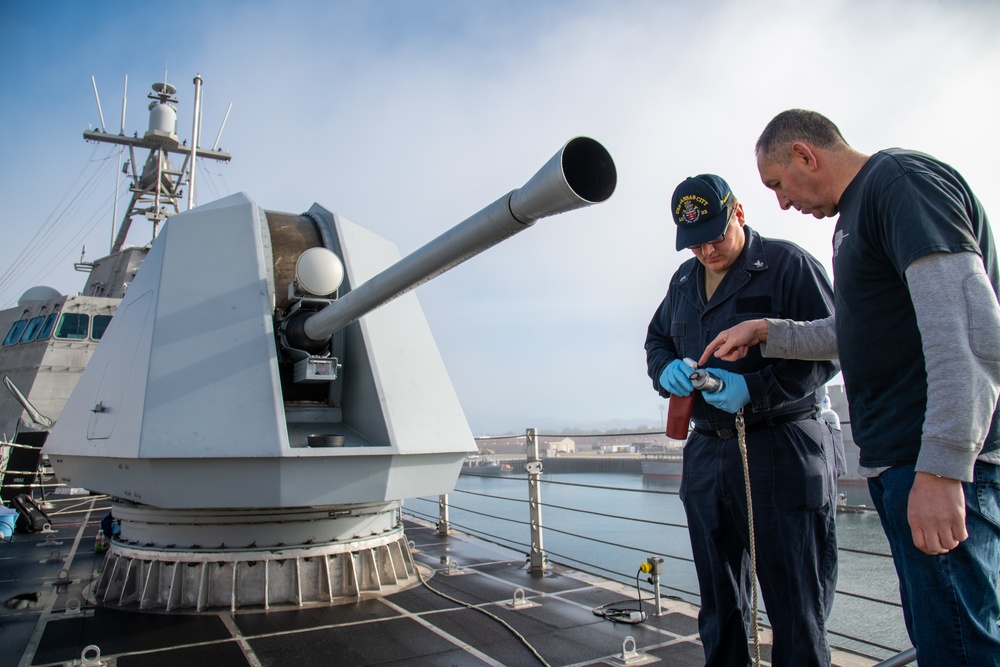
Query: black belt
pixel 767 421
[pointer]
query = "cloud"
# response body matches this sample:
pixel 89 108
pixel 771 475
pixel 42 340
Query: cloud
pixel 409 117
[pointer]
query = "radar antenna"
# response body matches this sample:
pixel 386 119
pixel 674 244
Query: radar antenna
pixel 156 187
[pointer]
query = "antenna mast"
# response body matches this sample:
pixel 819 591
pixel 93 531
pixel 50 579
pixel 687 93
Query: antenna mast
pixel 156 188
pixel 98 98
pixel 195 132
pixel 118 164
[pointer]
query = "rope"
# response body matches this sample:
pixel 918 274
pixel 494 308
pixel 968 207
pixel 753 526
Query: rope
pixel 741 432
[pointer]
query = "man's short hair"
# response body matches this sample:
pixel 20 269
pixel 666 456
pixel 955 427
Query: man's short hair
pixel 798 125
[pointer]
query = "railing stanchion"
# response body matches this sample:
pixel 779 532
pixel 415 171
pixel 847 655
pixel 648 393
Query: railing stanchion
pixel 533 466
pixel 444 526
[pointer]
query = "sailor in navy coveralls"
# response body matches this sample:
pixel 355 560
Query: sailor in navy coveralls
pixel 737 275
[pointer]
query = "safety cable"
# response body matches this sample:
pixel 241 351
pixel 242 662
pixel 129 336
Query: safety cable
pixel 614 544
pixel 479 534
pixel 490 495
pixel 490 516
pixel 650 522
pixel 52 220
pixel 33 255
pixel 610 488
pixel 496 618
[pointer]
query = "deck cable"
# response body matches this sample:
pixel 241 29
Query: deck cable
pixel 626 615
pixel 496 618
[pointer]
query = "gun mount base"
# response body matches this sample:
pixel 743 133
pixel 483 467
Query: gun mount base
pixel 332 555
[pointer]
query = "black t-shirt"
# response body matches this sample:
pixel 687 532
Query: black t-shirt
pixel 901 206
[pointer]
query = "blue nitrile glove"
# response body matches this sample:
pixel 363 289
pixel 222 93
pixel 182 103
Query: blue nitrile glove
pixel 734 394
pixel 674 378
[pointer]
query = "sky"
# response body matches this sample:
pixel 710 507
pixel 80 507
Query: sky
pixel 407 117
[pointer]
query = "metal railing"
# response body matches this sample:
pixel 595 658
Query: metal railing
pixel 477 522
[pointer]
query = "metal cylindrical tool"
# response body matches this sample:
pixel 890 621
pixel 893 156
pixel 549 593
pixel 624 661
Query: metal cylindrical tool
pixel 705 382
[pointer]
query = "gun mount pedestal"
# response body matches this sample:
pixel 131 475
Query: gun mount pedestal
pixel 304 556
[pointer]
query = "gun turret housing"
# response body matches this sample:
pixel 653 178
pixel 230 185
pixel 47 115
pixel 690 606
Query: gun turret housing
pixel 215 413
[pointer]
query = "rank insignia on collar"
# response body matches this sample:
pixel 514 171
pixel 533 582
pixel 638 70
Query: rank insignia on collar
pixel 758 264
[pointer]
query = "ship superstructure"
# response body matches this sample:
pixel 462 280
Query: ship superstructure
pixel 49 337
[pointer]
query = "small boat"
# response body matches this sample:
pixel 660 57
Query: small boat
pixel 485 465
pixel 842 506
pixel 667 465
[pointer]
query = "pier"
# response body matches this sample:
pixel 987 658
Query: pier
pixel 616 463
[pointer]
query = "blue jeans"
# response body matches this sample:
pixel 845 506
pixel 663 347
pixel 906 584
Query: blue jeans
pixel 950 602
pixel 792 486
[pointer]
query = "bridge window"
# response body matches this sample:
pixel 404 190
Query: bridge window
pixel 73 326
pixel 31 331
pixel 46 330
pixel 101 323
pixel 15 332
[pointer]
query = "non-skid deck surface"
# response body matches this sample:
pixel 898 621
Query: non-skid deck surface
pixel 412 627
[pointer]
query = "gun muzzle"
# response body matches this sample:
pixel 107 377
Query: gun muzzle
pixel 581 173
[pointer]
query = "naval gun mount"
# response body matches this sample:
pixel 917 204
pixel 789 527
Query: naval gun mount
pixel 268 393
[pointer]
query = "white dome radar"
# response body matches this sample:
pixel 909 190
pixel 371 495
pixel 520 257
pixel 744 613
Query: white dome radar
pixel 319 271
pixel 38 293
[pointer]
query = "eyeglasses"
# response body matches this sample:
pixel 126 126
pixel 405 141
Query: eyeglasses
pixel 716 241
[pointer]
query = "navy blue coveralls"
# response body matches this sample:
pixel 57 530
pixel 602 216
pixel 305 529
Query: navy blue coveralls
pixel 790 456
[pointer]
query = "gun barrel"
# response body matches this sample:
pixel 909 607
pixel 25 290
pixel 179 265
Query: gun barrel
pixel 581 173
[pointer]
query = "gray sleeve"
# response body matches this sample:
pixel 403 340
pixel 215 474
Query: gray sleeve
pixel 959 321
pixel 811 341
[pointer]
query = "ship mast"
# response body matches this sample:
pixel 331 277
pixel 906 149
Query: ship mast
pixel 157 188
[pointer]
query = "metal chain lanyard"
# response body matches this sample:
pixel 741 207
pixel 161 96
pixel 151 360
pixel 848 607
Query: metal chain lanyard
pixel 741 434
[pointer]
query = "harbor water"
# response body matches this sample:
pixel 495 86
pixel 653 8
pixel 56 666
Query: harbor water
pixel 609 523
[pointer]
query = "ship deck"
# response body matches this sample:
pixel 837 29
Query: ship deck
pixel 39 624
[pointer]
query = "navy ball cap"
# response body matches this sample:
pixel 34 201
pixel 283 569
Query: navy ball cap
pixel 699 209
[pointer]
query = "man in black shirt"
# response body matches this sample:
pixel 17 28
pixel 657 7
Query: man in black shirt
pixel 917 331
